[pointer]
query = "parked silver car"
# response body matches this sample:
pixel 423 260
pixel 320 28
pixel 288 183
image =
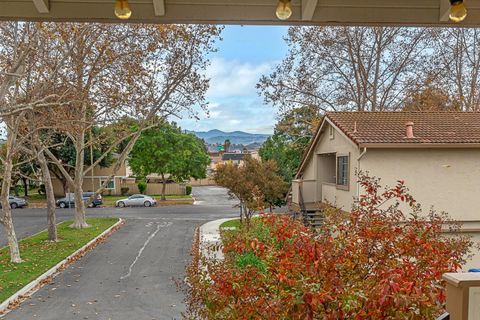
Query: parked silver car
pixel 136 200
pixel 16 202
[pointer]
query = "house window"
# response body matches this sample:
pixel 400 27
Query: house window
pixel 331 132
pixel 342 171
pixel 110 185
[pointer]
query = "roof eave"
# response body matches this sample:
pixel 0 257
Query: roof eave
pixel 420 145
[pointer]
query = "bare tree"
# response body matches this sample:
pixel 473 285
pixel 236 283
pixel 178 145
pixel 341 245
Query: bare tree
pixel 146 74
pixel 457 57
pixel 15 50
pixel 173 81
pixel 348 68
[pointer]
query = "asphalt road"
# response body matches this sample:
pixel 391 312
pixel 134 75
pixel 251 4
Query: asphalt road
pixel 131 275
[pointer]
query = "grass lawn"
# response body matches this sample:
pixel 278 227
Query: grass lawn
pixel 235 223
pixel 34 196
pixel 231 224
pixel 40 255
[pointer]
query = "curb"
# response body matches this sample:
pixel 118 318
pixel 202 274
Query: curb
pixel 14 301
pixel 210 244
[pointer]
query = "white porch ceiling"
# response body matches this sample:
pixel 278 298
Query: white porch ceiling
pixel 318 12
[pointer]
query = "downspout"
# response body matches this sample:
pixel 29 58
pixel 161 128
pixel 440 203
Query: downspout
pixel 358 168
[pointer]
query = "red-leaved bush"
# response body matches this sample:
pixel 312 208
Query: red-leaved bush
pixel 383 260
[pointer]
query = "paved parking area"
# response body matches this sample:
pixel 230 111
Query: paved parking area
pixel 131 276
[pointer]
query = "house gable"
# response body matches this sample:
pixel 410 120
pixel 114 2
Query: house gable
pixel 328 139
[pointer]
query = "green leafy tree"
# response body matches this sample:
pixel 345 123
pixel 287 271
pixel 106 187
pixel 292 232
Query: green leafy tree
pixel 292 134
pixel 171 154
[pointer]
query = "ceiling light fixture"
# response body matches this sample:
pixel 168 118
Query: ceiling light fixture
pixel 458 12
pixel 284 9
pixel 122 9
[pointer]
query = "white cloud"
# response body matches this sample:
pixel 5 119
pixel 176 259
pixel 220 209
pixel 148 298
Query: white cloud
pixel 234 102
pixel 233 122
pixel 245 114
pixel 230 78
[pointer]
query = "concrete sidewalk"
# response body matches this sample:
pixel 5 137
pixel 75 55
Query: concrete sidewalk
pixel 210 241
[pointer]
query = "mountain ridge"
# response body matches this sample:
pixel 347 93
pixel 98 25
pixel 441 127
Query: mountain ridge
pixel 216 136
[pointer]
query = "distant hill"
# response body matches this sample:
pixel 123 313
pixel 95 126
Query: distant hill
pixel 236 137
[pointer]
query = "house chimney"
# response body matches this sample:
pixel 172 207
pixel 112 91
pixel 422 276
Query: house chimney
pixel 409 130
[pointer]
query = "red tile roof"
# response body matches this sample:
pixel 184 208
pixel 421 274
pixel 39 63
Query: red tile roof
pixel 389 127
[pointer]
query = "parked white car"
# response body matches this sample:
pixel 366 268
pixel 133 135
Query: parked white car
pixel 16 202
pixel 136 200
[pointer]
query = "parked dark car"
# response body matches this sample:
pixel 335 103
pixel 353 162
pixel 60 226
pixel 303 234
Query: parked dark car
pixel 16 202
pixel 65 203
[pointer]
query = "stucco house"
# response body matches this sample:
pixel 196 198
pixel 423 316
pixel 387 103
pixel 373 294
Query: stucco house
pixel 437 154
pixel 123 178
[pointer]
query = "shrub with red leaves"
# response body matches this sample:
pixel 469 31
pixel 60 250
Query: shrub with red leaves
pixel 383 260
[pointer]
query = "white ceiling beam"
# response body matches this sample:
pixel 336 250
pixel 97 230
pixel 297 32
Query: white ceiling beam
pixel 159 7
pixel 308 9
pixel 43 6
pixel 444 10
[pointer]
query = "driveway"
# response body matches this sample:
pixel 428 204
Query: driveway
pixel 132 275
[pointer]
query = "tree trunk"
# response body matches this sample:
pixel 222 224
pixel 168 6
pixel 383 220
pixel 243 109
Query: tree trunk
pixel 6 219
pixel 25 187
pixel 10 232
pixel 164 187
pixel 47 180
pixel 118 163
pixel 241 211
pixel 64 185
pixel 79 221
pixel 15 189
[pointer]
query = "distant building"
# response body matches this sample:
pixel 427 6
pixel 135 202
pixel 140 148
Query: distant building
pixel 238 157
pixel 234 157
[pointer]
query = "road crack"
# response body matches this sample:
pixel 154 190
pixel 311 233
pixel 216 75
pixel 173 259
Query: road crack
pixel 145 244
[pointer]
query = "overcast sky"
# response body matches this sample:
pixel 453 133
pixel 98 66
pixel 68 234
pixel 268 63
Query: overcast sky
pixel 243 56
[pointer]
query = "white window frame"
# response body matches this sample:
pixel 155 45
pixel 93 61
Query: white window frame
pixel 102 180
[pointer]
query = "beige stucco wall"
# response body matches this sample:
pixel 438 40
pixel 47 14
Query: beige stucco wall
pixel 448 179
pixel 89 184
pixel 152 188
pixel 99 171
pixel 314 170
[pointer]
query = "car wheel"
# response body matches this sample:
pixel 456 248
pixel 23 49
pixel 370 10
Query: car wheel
pixel 121 204
pixel 62 205
pixel 147 204
pixel 13 205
